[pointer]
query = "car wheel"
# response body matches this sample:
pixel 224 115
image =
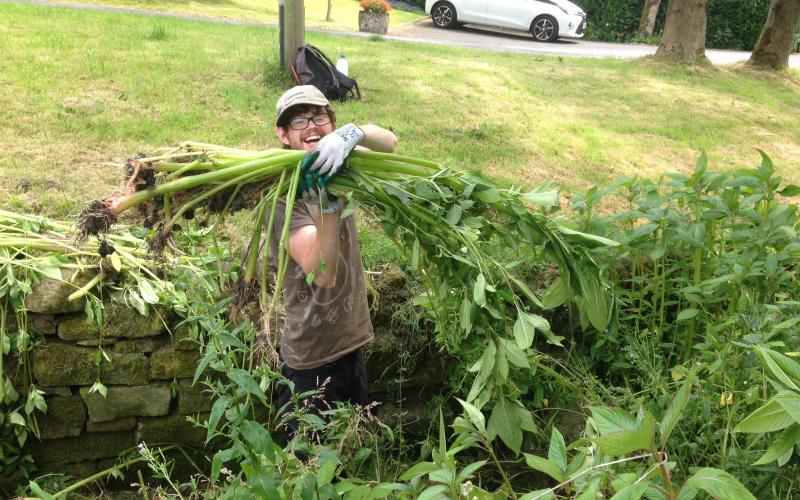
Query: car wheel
pixel 444 15
pixel 544 29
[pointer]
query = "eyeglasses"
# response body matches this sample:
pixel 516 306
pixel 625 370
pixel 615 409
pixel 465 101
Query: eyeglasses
pixel 301 122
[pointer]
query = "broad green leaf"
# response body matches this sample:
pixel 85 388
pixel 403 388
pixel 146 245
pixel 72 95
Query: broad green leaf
pixel 258 437
pixel 475 416
pixel 435 492
pixel 789 401
pixel 116 262
pixel 505 423
pixel 454 214
pixel 36 489
pixel 219 407
pixel 785 369
pixel 675 410
pixel 486 366
pixel 557 452
pixel 688 492
pixel 543 195
pixel 770 417
pixel 632 491
pixel 515 355
pixel 586 238
pixel 610 420
pixel 479 291
pixel 544 465
pixel 719 484
pixel 595 301
pixel 247 383
pixel 791 190
pixel 525 418
pixel 687 314
pixel 419 469
pixel 523 331
pixel 544 494
pixel 780 445
pixel 622 442
pixel 147 292
pixel 470 469
pixel 466 316
pixel 326 472
pixel 557 294
pixel 54 273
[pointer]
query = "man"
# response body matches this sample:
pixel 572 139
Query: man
pixel 327 316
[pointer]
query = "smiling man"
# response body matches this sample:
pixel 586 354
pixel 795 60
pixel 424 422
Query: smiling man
pixel 327 316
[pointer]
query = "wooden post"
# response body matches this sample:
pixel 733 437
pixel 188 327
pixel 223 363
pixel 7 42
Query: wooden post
pixel 291 18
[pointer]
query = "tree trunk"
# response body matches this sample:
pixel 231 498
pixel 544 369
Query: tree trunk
pixel 292 29
pixel 684 31
pixel 775 43
pixel 647 22
pixel 330 6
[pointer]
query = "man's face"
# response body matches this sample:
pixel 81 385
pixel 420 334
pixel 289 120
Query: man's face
pixel 302 132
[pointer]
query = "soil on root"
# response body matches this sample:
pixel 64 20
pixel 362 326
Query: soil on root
pixel 95 219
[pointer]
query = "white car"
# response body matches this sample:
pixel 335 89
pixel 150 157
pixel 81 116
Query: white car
pixel 545 19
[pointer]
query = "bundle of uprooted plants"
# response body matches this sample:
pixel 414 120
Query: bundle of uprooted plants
pixel 452 226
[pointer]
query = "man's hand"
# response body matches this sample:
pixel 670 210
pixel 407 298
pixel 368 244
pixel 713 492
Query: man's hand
pixel 334 148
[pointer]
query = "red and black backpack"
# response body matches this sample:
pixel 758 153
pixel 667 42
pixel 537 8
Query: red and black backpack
pixel 312 67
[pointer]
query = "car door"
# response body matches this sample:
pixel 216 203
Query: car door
pixel 511 13
pixel 472 10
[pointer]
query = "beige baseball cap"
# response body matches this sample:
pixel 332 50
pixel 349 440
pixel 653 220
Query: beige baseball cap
pixel 301 94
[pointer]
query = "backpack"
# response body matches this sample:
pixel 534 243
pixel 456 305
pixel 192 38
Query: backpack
pixel 312 67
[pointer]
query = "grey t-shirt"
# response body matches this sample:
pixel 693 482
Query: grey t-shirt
pixel 322 324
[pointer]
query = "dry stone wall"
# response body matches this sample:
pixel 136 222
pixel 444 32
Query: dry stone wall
pixel 148 380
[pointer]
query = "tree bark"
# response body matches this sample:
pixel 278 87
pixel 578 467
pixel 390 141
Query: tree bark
pixel 292 29
pixel 777 37
pixel 647 22
pixel 684 31
pixel 330 6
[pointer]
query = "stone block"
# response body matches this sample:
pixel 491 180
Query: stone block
pixel 78 470
pixel 121 424
pixel 191 398
pixel 96 342
pixel 50 296
pixel 170 429
pixel 57 391
pixel 120 402
pixel 61 364
pixel 89 446
pixel 170 363
pixel 42 323
pixel 142 345
pixel 182 338
pixel 65 417
pixel 120 321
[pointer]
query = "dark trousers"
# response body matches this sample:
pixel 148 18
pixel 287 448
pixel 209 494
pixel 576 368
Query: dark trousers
pixel 344 380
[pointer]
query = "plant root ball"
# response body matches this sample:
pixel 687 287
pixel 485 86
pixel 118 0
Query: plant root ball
pixel 95 219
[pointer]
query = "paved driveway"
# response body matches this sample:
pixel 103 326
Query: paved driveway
pixel 517 41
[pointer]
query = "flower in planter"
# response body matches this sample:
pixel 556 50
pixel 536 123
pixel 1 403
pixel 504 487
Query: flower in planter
pixel 379 6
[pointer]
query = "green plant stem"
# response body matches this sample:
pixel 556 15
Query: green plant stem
pixel 91 479
pixel 85 288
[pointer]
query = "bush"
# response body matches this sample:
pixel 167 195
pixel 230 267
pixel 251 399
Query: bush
pixel 732 24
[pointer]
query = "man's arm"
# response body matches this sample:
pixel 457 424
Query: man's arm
pixel 312 245
pixel 378 139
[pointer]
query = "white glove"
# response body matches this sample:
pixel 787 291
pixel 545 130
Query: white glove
pixel 335 147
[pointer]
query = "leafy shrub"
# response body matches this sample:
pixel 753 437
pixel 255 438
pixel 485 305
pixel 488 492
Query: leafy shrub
pixel 732 24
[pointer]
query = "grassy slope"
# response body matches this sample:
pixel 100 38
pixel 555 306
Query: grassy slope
pixel 344 13
pixel 83 88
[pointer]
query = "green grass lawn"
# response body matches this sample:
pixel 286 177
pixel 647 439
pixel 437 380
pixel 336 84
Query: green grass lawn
pixel 82 89
pixel 344 13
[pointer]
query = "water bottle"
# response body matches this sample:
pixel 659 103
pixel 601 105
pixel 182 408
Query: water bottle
pixel 341 64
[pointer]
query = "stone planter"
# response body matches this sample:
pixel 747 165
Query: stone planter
pixel 373 22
